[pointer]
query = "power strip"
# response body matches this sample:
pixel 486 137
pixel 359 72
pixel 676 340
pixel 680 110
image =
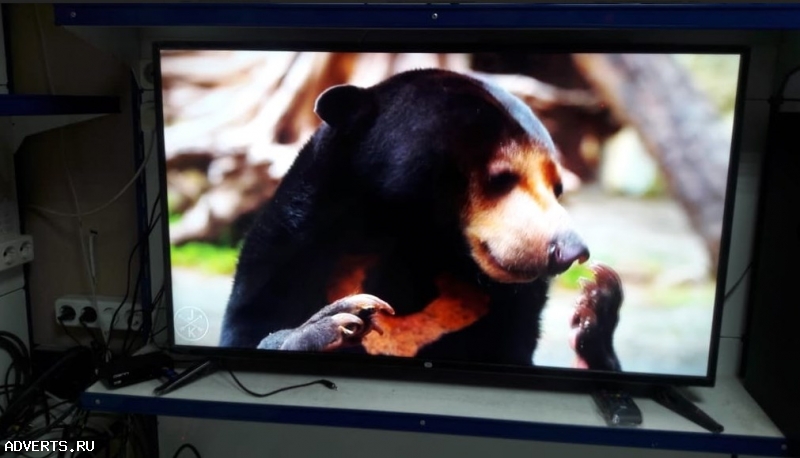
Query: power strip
pixel 70 309
pixel 15 251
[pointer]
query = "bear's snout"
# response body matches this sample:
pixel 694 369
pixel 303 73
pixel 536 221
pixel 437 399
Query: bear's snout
pixel 564 250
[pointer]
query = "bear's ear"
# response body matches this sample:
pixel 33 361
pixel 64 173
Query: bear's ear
pixel 341 105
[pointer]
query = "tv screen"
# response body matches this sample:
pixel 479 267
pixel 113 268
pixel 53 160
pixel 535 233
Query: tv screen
pixel 498 211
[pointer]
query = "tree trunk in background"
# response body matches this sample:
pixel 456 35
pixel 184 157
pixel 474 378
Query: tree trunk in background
pixel 679 126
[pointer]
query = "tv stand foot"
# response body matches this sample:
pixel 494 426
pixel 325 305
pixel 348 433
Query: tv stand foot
pixel 674 400
pixel 189 375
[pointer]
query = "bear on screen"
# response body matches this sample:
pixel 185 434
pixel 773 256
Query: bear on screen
pixel 421 219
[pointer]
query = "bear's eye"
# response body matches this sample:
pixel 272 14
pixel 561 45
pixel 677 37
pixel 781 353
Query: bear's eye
pixel 502 182
pixel 558 189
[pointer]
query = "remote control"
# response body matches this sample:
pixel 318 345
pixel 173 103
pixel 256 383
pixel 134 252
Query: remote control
pixel 618 408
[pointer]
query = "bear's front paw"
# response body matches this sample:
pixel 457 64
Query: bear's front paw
pixel 595 320
pixel 338 325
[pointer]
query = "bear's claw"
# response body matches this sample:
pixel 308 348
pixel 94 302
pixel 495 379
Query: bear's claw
pixel 595 320
pixel 340 324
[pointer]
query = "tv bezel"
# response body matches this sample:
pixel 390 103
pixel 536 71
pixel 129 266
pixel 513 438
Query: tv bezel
pixel 453 371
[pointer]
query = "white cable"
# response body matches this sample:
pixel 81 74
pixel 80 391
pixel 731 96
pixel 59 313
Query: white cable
pixel 88 260
pixel 76 201
pixel 79 214
pixel 92 255
pixel 73 191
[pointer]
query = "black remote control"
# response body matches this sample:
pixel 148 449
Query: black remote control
pixel 618 408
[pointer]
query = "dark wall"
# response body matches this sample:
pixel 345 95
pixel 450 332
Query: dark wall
pixel 772 339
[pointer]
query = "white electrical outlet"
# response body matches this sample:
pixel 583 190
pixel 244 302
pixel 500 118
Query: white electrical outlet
pixel 15 251
pixel 72 307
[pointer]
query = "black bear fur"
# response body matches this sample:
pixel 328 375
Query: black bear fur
pixel 385 175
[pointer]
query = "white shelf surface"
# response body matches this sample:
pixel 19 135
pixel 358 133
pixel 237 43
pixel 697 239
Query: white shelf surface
pixel 455 409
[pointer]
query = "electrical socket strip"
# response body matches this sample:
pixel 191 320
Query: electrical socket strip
pixel 104 312
pixel 15 251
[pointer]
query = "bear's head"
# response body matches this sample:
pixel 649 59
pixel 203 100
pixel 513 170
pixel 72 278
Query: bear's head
pixel 460 146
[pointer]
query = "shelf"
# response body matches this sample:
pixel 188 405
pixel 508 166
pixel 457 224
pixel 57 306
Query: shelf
pixel 357 15
pixel 42 105
pixel 454 409
pixel 32 113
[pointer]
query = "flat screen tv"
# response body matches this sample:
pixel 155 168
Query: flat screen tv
pixel 560 213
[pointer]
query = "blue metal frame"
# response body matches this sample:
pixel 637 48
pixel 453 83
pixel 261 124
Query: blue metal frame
pixel 445 16
pixel 40 105
pixel 440 424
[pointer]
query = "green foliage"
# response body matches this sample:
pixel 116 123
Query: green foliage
pixel 205 257
pixel 172 202
pixel 571 278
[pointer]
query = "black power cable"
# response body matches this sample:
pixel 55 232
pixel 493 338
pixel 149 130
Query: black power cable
pixel 155 305
pixel 324 382
pixel 136 289
pixel 26 399
pixel 18 342
pixel 11 387
pixel 153 219
pixel 189 447
pixel 737 283
pixel 20 364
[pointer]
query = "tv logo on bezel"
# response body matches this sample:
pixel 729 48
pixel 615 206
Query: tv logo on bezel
pixel 191 323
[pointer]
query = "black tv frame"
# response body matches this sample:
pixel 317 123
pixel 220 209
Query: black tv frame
pixel 450 371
